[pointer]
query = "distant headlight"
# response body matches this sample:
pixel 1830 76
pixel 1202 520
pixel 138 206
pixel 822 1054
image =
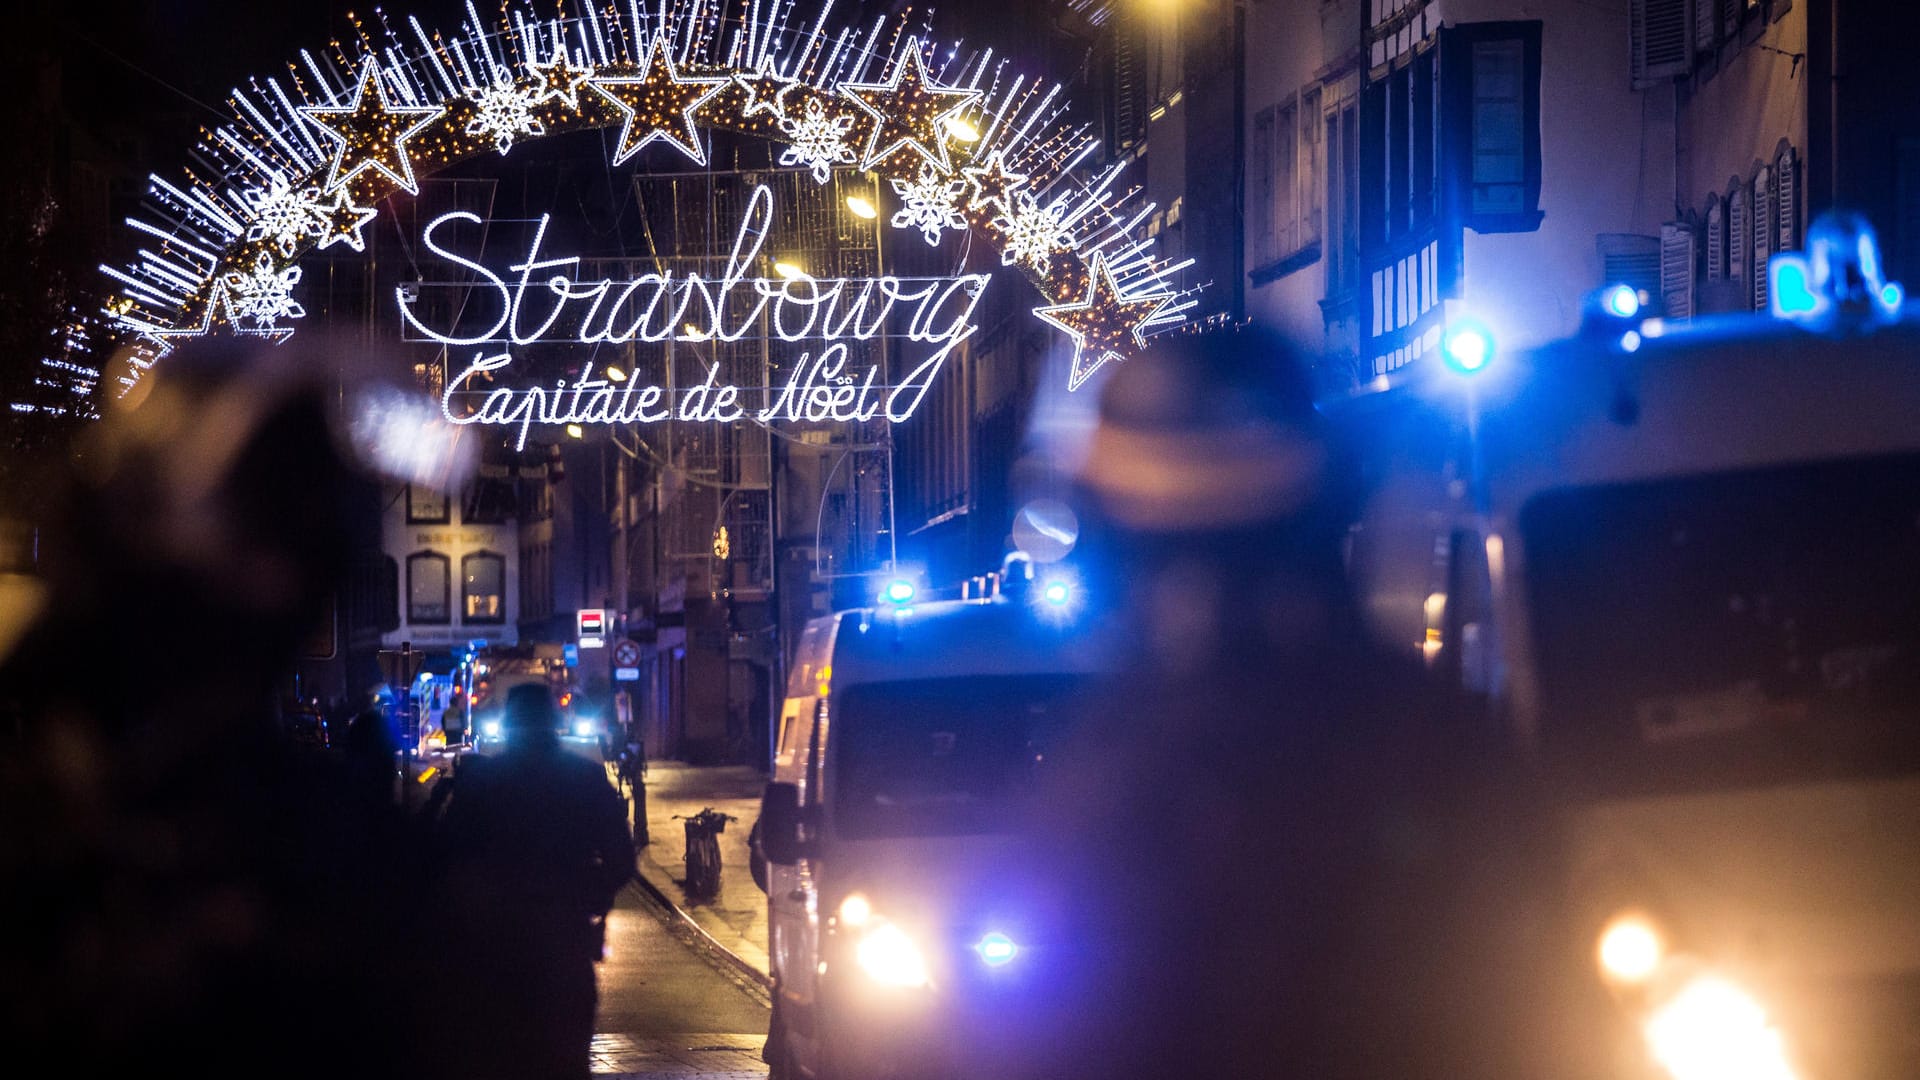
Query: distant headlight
pixel 1712 1029
pixel 583 728
pixel 889 957
pixel 491 729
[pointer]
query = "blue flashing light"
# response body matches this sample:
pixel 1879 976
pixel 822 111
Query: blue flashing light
pixel 1791 289
pixel 491 729
pixel 1622 301
pixel 1057 593
pixel 1467 347
pixel 1630 341
pixel 1892 295
pixel 997 949
pixel 899 591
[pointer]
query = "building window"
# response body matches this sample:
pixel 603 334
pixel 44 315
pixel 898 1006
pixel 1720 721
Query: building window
pixel 426 506
pixel 1500 137
pixel 1286 187
pixel 483 587
pixel 1342 149
pixel 1762 239
pixel 428 585
pixel 1739 238
pixel 489 500
pixel 1786 181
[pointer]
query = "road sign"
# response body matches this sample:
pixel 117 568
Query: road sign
pixel 626 653
pixel 626 674
pixel 572 654
pixel 591 627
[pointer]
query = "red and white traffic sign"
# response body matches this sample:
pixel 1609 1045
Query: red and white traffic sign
pixel 626 653
pixel 592 627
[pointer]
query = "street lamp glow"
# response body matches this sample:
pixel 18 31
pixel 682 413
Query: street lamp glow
pixel 575 431
pixel 616 374
pixel 962 129
pixel 861 207
pixel 691 332
pixel 788 270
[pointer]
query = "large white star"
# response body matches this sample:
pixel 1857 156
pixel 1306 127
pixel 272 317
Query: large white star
pixel 1101 324
pixel 660 102
pixel 372 131
pixel 909 109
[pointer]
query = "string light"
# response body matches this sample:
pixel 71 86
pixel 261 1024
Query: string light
pixel 304 170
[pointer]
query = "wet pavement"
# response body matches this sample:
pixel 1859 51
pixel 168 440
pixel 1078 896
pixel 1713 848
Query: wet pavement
pixel 668 1006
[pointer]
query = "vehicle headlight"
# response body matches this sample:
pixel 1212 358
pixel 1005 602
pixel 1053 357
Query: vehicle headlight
pixel 1712 1029
pixel 889 956
pixel 491 729
pixel 1631 949
pixel 583 728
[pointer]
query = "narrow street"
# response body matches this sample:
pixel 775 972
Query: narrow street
pixel 667 1010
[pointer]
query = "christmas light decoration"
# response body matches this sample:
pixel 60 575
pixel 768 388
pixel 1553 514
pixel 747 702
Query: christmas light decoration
pixel 503 111
pixel 1033 233
pixel 372 133
pixel 819 142
pixel 766 92
pixel 909 111
pixel 659 104
pixel 342 222
pixel 967 143
pixel 559 79
pixel 931 204
pixel 283 214
pixel 1101 324
pixel 993 184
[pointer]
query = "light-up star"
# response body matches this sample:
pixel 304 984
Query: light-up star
pixel 767 91
pixel 1102 324
pixel 371 132
pixel 908 110
pixel 993 183
pixel 342 222
pixel 559 78
pixel 659 104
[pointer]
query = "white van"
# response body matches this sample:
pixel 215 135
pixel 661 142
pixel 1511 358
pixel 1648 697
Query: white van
pixel 910 737
pixel 1683 565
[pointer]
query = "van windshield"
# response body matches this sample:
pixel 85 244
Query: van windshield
pixel 946 757
pixel 1730 630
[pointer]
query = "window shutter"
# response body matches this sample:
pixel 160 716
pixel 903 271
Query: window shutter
pixel 1739 240
pixel 1762 236
pixel 1716 239
pixel 1786 169
pixel 1730 11
pixel 1676 270
pixel 1660 41
pixel 1706 29
pixel 1262 204
pixel 1631 259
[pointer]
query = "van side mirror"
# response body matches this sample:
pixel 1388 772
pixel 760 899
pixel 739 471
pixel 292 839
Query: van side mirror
pixel 781 822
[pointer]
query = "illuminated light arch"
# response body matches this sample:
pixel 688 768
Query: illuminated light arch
pixel 965 145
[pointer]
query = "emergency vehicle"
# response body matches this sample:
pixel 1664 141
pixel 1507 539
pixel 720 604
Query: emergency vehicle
pixel 1682 564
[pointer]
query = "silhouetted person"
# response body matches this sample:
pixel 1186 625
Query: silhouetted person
pixel 1279 855
pixel 538 848
pixel 187 891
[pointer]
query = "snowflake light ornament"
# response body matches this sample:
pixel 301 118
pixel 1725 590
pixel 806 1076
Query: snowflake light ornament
pixel 503 111
pixel 263 295
pixel 1032 232
pixel 819 141
pixel 932 204
pixel 284 214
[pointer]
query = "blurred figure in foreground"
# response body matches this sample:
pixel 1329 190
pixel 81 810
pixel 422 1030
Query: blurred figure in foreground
pixel 188 891
pixel 538 849
pixel 1287 859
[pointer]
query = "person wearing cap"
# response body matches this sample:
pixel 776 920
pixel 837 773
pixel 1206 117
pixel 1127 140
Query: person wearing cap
pixel 1283 859
pixel 537 849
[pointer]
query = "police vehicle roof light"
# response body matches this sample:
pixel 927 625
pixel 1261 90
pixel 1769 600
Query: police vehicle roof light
pixel 899 591
pixel 1622 301
pixel 1057 593
pixel 1467 347
pixel 997 949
